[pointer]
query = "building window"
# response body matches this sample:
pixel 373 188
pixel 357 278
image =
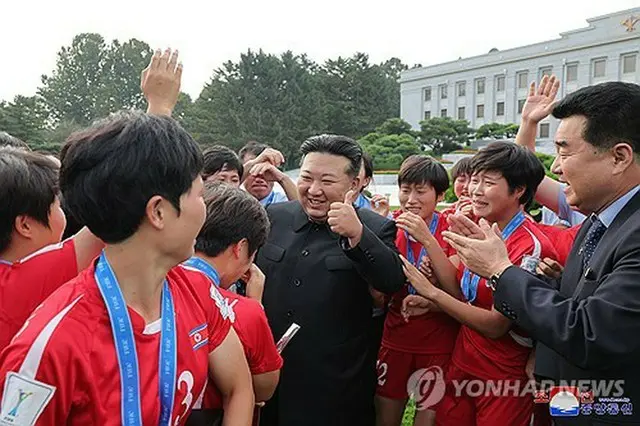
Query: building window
pixel 443 92
pixel 544 130
pixel 599 68
pixel 443 112
pixel 521 105
pixel 461 113
pixel 523 80
pixel 462 88
pixel 629 64
pixel 480 86
pixel 427 94
pixel 500 83
pixel 480 111
pixel 427 115
pixel 546 71
pixel 572 72
pixel 500 109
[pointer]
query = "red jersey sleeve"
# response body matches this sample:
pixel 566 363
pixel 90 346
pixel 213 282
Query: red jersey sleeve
pixel 260 348
pixel 42 366
pixel 27 283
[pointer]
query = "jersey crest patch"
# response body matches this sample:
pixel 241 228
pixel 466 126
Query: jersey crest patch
pixel 23 400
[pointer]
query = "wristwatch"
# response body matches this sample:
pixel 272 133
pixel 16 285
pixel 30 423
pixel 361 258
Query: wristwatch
pixel 492 282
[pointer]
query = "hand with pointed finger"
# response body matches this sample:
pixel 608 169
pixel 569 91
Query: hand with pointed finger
pixel 485 257
pixel 160 82
pixel 267 171
pixel 540 102
pixel 343 220
pixel 415 226
pixel 550 268
pixel 423 286
pixel 380 205
pixel 414 305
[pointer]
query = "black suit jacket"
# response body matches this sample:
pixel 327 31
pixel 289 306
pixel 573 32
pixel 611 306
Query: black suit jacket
pixel 328 376
pixel 588 329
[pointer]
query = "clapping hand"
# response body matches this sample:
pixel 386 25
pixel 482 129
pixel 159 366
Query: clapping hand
pixel 344 221
pixel 160 82
pixel 415 226
pixel 550 268
pixel 540 102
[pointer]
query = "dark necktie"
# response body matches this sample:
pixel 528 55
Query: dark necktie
pixel 594 235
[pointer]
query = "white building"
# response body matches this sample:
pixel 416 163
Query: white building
pixel 493 87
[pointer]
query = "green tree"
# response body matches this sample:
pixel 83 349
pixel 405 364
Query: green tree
pixel 497 131
pixel 394 126
pixel 24 118
pixel 93 78
pixel 359 95
pixel 389 151
pixel 444 134
pixel 263 97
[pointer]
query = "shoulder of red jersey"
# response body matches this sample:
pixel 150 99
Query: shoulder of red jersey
pixel 529 240
pixel 48 249
pixel 204 287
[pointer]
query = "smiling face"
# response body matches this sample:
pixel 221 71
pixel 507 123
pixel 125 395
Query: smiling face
pixel 323 180
pixel 491 196
pixel 586 170
pixel 420 199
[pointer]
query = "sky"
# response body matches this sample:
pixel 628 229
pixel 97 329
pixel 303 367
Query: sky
pixel 208 33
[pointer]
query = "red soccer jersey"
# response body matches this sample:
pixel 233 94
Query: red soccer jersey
pixel 562 239
pixel 429 334
pixel 506 357
pixel 68 344
pixel 28 282
pixel 250 323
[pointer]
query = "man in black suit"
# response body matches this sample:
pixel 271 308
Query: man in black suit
pixel 588 324
pixel 321 258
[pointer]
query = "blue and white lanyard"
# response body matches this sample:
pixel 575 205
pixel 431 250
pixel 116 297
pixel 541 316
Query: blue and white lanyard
pixel 469 283
pixel 123 337
pixel 205 268
pixel 433 227
pixel 268 200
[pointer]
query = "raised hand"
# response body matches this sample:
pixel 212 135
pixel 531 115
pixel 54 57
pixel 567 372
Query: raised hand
pixel 160 82
pixel 267 171
pixel 426 268
pixel 269 155
pixel 344 221
pixel 415 226
pixel 380 205
pixel 254 278
pixel 540 102
pixel 462 225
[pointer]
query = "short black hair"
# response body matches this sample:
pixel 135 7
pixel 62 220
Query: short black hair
pixel 29 187
pixel 253 147
pixel 111 171
pixel 339 145
pixel 8 140
pixel 367 161
pixel 519 166
pixel 220 157
pixel 461 168
pixel 421 169
pixel 611 109
pixel 232 215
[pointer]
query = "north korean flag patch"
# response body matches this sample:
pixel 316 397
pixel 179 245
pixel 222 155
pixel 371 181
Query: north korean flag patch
pixel 199 336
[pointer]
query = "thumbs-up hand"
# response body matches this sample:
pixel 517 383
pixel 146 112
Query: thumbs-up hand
pixel 344 221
